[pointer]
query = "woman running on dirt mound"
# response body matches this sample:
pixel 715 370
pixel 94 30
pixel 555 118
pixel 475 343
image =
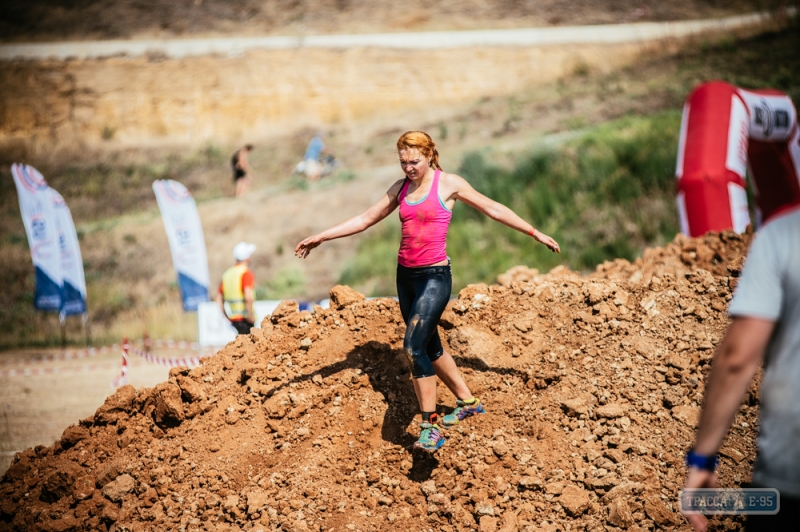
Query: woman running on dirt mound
pixel 426 197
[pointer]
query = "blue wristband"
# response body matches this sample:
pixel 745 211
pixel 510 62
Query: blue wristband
pixel 707 463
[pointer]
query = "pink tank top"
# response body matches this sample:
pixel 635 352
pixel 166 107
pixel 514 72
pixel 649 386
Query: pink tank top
pixel 424 232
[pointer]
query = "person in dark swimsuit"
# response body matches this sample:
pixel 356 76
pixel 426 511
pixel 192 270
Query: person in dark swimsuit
pixel 242 173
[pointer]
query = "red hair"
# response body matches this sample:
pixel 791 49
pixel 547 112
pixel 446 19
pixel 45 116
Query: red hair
pixel 423 143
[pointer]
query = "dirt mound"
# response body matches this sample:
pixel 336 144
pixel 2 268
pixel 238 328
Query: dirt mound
pixel 592 386
pixel 718 253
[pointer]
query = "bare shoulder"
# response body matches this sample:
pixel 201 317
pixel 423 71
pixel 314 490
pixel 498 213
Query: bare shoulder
pixel 452 183
pixel 447 177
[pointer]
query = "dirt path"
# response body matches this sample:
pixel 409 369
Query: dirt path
pixel 563 35
pixel 38 21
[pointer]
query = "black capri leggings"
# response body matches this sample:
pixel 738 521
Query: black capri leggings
pixel 423 295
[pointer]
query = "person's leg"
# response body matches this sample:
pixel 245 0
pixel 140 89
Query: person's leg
pixel 424 382
pixel 425 390
pixel 446 369
pixel 422 343
pixel 431 305
pixel 313 169
pixel 241 326
pixel 414 294
pixel 466 404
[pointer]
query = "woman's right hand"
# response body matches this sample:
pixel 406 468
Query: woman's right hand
pixel 305 246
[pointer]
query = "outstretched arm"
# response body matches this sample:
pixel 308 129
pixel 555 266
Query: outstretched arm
pixel 461 190
pixel 354 225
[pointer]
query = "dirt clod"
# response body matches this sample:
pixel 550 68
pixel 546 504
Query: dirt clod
pixel 344 296
pixel 574 500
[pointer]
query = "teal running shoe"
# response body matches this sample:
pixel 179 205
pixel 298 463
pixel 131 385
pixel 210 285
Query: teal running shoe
pixel 462 411
pixel 430 438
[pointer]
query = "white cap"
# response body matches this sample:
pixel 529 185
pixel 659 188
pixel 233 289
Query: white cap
pixel 243 251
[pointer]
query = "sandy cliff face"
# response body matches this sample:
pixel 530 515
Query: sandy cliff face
pixel 146 101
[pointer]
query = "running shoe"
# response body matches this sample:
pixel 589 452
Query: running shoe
pixel 462 411
pixel 430 438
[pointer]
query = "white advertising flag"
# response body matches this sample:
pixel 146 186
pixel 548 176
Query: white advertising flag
pixel 39 219
pixel 73 290
pixel 186 242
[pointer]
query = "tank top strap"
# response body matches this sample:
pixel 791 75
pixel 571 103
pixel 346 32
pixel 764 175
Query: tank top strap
pixel 434 193
pixel 403 190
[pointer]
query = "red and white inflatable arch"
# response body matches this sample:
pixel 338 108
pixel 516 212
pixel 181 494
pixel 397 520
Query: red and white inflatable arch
pixel 723 131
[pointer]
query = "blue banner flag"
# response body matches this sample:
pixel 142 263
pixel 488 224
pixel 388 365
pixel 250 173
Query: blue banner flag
pixel 186 241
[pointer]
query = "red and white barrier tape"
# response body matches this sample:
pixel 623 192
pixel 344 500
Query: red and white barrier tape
pixel 127 348
pixel 27 366
pixel 172 344
pixel 67 355
pixel 169 362
pixel 94 351
pixel 35 372
pixel 122 378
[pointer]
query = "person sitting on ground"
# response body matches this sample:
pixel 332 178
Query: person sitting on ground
pixel 242 173
pixel 312 160
pixel 426 197
pixel 236 289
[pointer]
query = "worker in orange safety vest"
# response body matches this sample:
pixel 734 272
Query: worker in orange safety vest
pixel 237 290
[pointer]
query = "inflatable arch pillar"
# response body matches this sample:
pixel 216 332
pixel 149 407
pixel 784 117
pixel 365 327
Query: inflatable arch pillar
pixel 724 131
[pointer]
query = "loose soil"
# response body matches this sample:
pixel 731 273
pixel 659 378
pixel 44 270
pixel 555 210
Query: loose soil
pixel 592 385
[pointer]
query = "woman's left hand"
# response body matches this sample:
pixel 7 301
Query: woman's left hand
pixel 547 241
pixel 304 247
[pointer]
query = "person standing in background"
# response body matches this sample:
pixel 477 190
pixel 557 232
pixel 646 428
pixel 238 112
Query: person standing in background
pixel 237 290
pixel 242 173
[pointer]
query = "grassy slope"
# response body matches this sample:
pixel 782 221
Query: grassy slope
pixel 631 118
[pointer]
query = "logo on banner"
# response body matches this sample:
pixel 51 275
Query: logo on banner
pixel 67 255
pixel 183 236
pixel 39 227
pixel 42 245
pixel 763 118
pixel 31 178
pixel 176 193
pixel 770 120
